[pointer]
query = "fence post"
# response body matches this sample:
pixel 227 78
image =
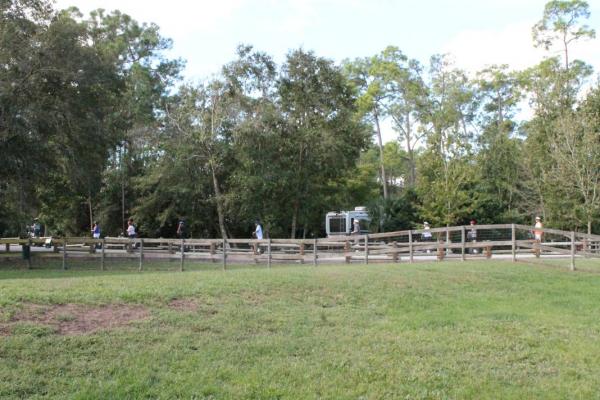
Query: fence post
pixel 410 246
pixel 212 252
pixel 182 254
pixel 572 251
pixel 302 253
pixel 347 251
pixel 64 260
pixel 224 254
pixel 102 255
pixel 269 253
pixel 315 256
pixel 462 242
pixel 7 246
pixel 514 242
pixel 366 248
pixel 141 255
pixel 395 251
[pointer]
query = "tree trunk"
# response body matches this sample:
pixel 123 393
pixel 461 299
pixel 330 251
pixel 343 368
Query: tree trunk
pixel 589 226
pixel 90 208
pixel 380 143
pixel 218 197
pixel 123 205
pixel 412 176
pixel 295 218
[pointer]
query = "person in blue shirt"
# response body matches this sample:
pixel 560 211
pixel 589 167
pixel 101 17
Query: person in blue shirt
pixel 96 230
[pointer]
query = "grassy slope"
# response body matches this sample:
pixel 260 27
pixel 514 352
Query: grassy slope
pixel 448 330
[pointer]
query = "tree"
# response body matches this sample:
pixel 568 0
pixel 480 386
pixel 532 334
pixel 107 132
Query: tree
pixel 323 139
pixel 446 170
pixel 407 99
pixel 498 169
pixel 371 103
pixel 391 85
pixel 560 23
pixel 575 151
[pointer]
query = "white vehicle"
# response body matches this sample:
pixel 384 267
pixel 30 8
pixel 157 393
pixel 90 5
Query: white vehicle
pixel 340 223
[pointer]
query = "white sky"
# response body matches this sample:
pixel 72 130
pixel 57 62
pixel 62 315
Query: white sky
pixel 476 32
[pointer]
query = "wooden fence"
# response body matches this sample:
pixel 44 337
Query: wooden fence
pixel 509 241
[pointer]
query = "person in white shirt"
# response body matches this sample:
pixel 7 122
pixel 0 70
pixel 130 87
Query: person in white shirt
pixel 426 235
pixel 131 229
pixel 258 233
pixel 356 229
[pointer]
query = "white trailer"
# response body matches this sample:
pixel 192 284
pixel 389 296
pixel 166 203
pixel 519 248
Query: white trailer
pixel 340 223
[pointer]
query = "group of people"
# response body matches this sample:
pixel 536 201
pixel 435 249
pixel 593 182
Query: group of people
pixel 258 231
pixel 131 229
pixel 538 232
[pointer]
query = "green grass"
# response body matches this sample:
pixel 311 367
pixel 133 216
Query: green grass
pixel 423 331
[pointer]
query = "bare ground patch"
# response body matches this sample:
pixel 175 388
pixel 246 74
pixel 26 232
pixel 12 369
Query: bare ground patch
pixel 75 319
pixel 184 305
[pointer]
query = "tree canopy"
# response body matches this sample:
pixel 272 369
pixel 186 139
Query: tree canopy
pixel 96 124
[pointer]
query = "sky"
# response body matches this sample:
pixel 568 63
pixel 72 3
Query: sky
pixel 476 33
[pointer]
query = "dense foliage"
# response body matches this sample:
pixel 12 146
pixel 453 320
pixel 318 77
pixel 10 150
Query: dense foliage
pixel 95 124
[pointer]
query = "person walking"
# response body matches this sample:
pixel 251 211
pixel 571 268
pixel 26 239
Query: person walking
pixel 96 233
pixel 472 235
pixel 131 231
pixel 182 229
pixel 426 235
pixel 538 233
pixel 356 228
pixel 258 234
pixel 36 227
pixel 96 230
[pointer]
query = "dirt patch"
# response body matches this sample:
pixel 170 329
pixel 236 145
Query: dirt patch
pixel 185 305
pixel 75 319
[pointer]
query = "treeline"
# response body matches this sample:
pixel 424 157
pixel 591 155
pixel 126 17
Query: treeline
pixel 97 125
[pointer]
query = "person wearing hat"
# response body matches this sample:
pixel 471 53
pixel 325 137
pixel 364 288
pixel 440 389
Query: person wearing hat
pixel 538 233
pixel 472 234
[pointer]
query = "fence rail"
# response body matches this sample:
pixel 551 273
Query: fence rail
pixel 510 241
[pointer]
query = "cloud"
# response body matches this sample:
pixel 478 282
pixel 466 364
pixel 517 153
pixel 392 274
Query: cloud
pixel 474 50
pixel 176 18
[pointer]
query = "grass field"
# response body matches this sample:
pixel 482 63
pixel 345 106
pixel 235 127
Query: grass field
pixel 423 331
